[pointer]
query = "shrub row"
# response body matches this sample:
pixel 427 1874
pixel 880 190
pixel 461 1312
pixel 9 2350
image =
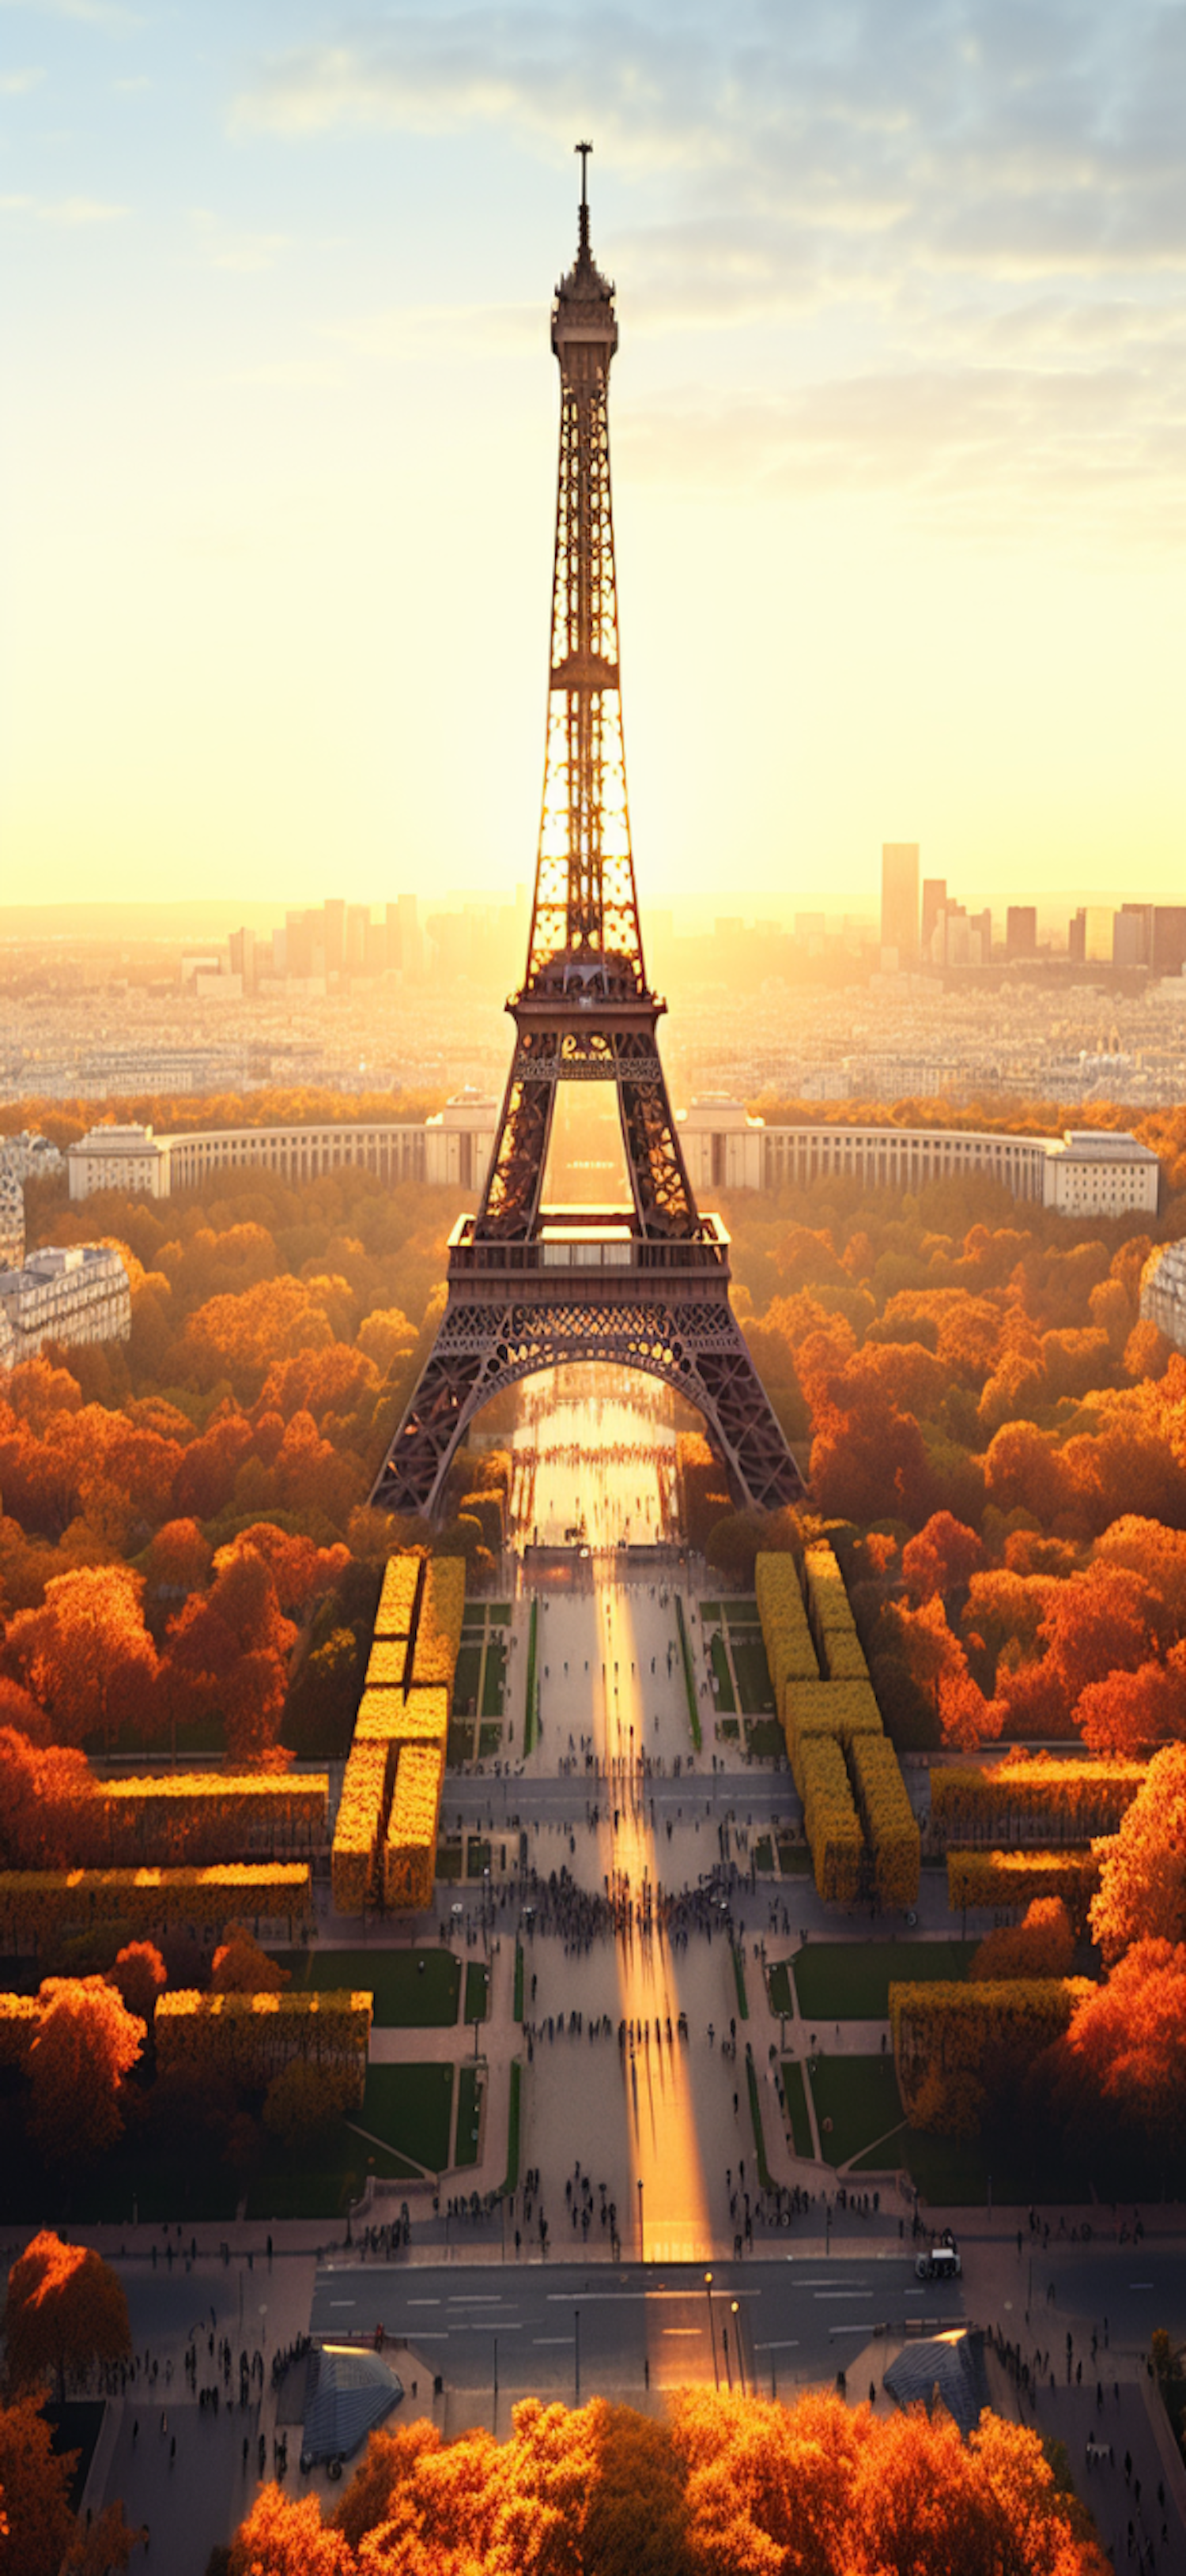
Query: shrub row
pixel 840 1650
pixel 956 2044
pixel 20 2019
pixel 396 1614
pixel 843 1710
pixel 251 2038
pixel 409 1852
pixel 830 1819
pixel 1015 1878
pixel 1055 1799
pixel 786 1632
pixel 226 1813
pixel 402 1717
pixel 358 1828
pixel 48 1903
pixel 891 1826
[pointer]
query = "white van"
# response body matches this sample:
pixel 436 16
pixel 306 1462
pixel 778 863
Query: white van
pixel 941 2264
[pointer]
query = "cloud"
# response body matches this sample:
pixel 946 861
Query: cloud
pixel 249 253
pixel 17 84
pixel 68 211
pixel 107 14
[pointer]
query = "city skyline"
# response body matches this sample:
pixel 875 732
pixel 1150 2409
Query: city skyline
pixel 249 300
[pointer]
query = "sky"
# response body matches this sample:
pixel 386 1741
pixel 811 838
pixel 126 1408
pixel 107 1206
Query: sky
pixel 898 425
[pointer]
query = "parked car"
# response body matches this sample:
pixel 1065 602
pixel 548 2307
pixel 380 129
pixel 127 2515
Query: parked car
pixel 942 2263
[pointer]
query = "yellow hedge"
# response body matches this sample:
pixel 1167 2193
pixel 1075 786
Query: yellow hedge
pixel 409 1856
pixel 842 1710
pixel 830 1820
pixel 840 1651
pixel 442 1603
pixel 397 1600
pixel 402 1717
pixel 1079 1796
pixel 434 1662
pixel 358 1830
pixel 891 1826
pixel 387 1663
pixel 949 2036
pixel 250 2038
pixel 242 1808
pixel 786 1634
pixel 40 1904
pixel 20 2017
pixel 1014 1878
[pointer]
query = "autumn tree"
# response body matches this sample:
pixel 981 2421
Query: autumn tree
pixel 1127 1712
pixel 240 1967
pixel 86 1655
pixel 942 1558
pixel 49 1805
pixel 86 2044
pixel 232 1645
pixel 139 1976
pixel 35 2487
pixel 1142 1889
pixel 65 2309
pixel 1041 1945
pixel 1120 2070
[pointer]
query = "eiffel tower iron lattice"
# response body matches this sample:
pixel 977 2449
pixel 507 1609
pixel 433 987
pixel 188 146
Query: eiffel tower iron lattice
pixel 532 1287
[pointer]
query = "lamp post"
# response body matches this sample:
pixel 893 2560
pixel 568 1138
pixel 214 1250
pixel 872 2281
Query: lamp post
pixel 494 2419
pixel 642 2243
pixel 728 2364
pixel 712 2331
pixel 735 2311
pixel 577 2351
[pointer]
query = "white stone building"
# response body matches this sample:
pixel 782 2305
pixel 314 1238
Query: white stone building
pixel 76 1294
pixel 1085 1172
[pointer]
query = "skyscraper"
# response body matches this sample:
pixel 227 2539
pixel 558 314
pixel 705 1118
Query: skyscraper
pixel 899 900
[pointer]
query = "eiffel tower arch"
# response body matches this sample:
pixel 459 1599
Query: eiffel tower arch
pixel 532 1287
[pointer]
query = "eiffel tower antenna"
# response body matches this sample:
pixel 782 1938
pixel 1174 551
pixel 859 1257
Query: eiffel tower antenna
pixel 533 1287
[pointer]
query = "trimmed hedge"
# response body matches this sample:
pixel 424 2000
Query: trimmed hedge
pixel 843 1710
pixel 251 2038
pixel 955 2044
pixel 890 1823
pixel 841 1653
pixel 786 1633
pixel 396 1614
pixel 1069 1800
pixel 409 1853
pixel 358 1831
pixel 402 1717
pixel 1014 1878
pixel 48 1903
pixel 830 1819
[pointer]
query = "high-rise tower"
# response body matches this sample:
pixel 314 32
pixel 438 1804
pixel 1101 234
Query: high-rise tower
pixel 531 1287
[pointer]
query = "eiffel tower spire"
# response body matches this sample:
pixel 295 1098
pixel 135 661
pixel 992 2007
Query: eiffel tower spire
pixel 532 1287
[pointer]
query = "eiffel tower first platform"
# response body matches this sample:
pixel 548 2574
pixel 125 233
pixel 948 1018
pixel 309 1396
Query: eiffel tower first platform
pixel 534 1287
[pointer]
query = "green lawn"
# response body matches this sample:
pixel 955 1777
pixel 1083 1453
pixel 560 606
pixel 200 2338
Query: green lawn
pixel 720 1664
pixel 956 2171
pixel 710 1611
pixel 859 2095
pixel 763 1855
pixel 742 1613
pixel 753 1675
pixel 408 2108
pixel 728 1730
pixel 466 1680
pixel 477 1991
pixel 795 2097
pixel 477 1857
pixel 765 1738
pixel 794 1860
pixel 321 2176
pixel 778 1985
pixel 413 1989
pixel 850 1980
pixel 459 1743
pixel 499 1614
pixel 470 2082
pixel 494 1678
pixel 489 1740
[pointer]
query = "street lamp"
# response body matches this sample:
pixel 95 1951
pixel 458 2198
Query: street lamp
pixel 642 2242
pixel 712 2330
pixel 577 2342
pixel 736 2312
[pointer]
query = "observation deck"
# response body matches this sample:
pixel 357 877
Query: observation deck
pixel 585 1253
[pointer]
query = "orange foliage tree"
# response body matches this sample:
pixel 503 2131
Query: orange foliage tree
pixel 65 2309
pixel 87 2043
pixel 1041 1945
pixel 1121 2066
pixel 231 1645
pixel 1142 1890
pixel 729 2483
pixel 139 1976
pixel 86 1655
pixel 35 2488
pixel 240 1967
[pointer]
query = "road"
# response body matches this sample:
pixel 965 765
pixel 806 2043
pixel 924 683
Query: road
pixel 799 2319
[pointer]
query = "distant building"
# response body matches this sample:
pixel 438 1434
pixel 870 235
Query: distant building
pixel 79 1294
pixel 723 1146
pixel 1090 935
pixel 148 1166
pixel 1163 1291
pixel 459 1141
pixel 120 1158
pixel 1021 930
pixel 1088 1172
pixel 1168 944
pixel 899 904
pixel 934 901
pixel 12 1219
pixel 22 1158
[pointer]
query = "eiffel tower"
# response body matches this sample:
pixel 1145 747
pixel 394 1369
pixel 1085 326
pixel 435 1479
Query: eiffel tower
pixel 534 1287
